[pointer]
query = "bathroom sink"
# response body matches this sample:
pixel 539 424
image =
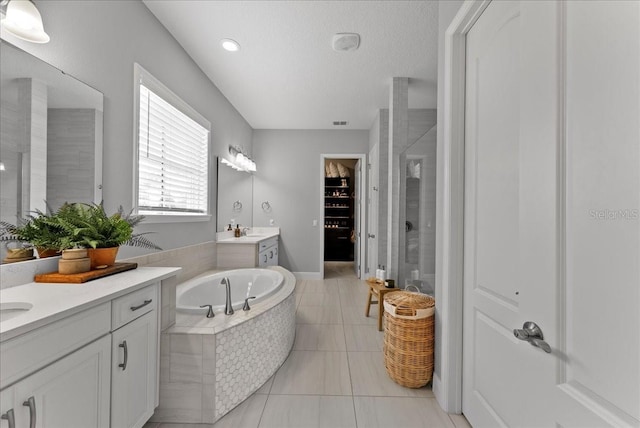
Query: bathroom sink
pixel 254 235
pixel 10 310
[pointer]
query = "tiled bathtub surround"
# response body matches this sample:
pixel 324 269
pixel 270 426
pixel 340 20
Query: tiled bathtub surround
pixel 249 354
pixel 193 259
pixel 210 365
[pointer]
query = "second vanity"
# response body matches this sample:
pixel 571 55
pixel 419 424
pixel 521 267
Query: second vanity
pixel 82 354
pixel 257 248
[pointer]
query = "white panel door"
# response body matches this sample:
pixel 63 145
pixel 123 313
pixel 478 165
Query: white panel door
pixel 534 247
pixel 133 372
pixel 71 393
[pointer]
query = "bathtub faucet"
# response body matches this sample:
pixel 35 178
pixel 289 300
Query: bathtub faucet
pixel 228 308
pixel 210 313
pixel 246 306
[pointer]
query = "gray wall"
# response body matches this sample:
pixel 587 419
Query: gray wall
pixel 289 177
pixel 98 42
pixel 446 12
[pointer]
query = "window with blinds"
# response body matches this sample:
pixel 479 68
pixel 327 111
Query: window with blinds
pixel 173 158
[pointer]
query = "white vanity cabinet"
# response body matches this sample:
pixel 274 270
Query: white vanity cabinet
pixel 268 252
pixel 72 392
pixel 134 359
pixel 242 253
pixel 94 368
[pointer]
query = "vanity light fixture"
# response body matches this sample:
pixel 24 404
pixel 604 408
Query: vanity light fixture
pixel 239 160
pixel 24 21
pixel 230 45
pixel 2 168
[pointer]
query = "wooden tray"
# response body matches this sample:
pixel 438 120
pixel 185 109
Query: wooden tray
pixel 79 278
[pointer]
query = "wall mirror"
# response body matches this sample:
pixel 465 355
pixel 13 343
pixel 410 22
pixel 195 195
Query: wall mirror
pixel 235 197
pixel 51 136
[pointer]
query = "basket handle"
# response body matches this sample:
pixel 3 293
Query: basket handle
pixel 420 313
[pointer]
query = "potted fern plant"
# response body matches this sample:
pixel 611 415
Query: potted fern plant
pixel 100 233
pixel 41 230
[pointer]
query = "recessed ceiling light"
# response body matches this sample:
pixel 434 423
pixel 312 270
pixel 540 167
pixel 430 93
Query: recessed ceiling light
pixel 230 45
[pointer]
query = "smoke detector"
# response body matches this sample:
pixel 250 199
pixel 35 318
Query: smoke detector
pixel 346 42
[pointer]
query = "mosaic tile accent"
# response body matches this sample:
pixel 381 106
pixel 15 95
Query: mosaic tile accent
pixel 249 354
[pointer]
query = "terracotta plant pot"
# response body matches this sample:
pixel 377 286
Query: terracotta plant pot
pixel 102 257
pixel 44 253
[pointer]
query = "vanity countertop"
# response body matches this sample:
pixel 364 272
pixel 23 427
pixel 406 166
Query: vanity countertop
pixel 255 235
pixel 52 302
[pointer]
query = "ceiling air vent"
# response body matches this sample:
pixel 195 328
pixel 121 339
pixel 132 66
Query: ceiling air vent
pixel 340 123
pixel 346 42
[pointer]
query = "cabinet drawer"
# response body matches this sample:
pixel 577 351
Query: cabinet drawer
pixel 133 305
pixel 268 243
pixel 29 352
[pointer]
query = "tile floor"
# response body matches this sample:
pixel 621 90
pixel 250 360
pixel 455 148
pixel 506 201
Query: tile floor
pixel 335 375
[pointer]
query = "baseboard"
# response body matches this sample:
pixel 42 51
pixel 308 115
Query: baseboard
pixel 307 275
pixel 436 387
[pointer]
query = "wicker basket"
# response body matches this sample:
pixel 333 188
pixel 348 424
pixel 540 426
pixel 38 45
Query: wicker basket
pixel 408 337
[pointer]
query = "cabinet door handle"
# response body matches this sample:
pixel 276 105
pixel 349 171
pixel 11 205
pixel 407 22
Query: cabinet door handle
pixel 146 302
pixel 270 254
pixel 123 345
pixel 31 404
pixel 10 418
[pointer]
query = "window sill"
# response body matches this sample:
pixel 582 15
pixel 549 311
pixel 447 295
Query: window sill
pixel 155 219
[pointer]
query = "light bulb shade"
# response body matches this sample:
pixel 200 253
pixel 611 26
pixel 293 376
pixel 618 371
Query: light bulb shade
pixel 24 21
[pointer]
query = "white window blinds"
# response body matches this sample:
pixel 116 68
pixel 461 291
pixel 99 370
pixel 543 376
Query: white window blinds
pixel 172 159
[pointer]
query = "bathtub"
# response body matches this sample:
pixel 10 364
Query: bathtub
pixel 208 290
pixel 208 366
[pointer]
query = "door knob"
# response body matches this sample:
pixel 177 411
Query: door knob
pixel 532 334
pixel 371 235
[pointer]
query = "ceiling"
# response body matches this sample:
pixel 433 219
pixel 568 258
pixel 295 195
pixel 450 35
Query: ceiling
pixel 286 74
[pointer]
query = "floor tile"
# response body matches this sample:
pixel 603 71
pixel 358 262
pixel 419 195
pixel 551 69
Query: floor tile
pixel 397 412
pixel 355 315
pixel 319 337
pixel 363 337
pixel 313 411
pixel 246 415
pixel 351 285
pixel 264 389
pixel 300 284
pixel 459 421
pixel 321 286
pixel 339 270
pixel 353 298
pixel 313 372
pixel 174 425
pixel 318 315
pixel 369 377
pixel 320 299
